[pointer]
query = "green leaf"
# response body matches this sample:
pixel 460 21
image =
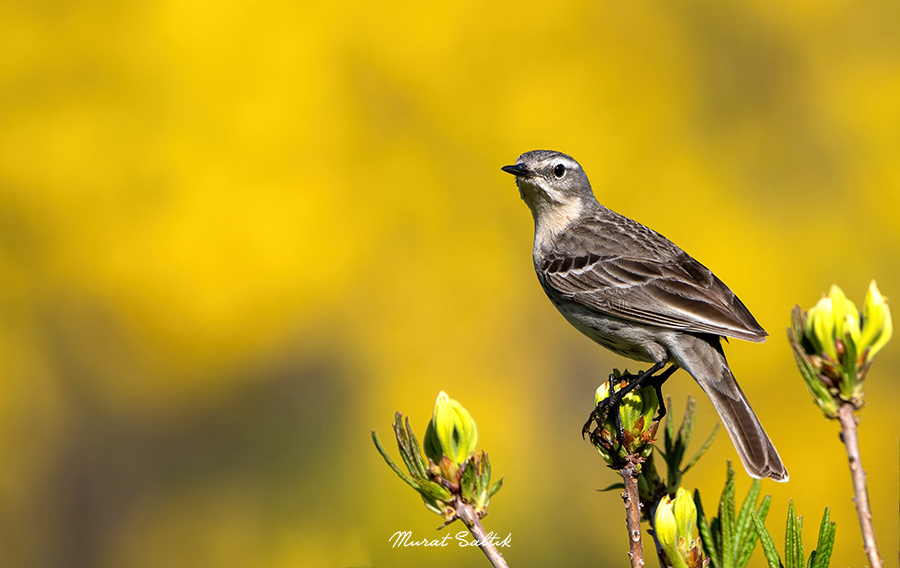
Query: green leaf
pixel 746 551
pixel 726 519
pixel 820 393
pixel 763 509
pixel 851 385
pixel 793 544
pixel 433 491
pixel 686 431
pixel 765 539
pixel 676 444
pixel 409 448
pixel 612 486
pixel 496 486
pixel 752 536
pixel 418 458
pixel 825 543
pixel 670 426
pixel 484 475
pixel 390 462
pixel 715 527
pixel 745 534
pixel 706 536
pixel 483 482
pixel 467 482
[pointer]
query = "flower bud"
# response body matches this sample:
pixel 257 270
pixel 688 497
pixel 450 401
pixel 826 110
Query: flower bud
pixel 452 473
pixel 451 432
pixel 673 526
pixel 830 321
pixel 685 515
pixel 833 348
pixel 665 527
pixel 636 412
pixel 877 326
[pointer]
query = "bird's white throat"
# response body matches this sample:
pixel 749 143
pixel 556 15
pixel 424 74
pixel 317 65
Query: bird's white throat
pixel 552 211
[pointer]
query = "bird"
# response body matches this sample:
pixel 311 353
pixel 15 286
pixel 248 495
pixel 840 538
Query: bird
pixel 636 293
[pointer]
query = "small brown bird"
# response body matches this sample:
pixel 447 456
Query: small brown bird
pixel 636 293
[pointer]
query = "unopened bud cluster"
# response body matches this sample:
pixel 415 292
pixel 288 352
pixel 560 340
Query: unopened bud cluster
pixel 450 470
pixel 673 526
pixel 636 414
pixel 834 344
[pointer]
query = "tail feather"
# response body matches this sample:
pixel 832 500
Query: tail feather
pixel 705 361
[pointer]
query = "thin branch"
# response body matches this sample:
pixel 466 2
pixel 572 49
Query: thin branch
pixel 468 516
pixel 633 516
pixel 848 425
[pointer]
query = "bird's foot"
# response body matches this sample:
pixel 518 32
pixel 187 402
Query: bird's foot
pixel 612 402
pixel 601 412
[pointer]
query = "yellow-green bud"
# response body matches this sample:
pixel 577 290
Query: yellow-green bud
pixel 877 326
pixel 833 348
pixel 846 316
pixel 451 432
pixel 665 527
pixel 685 516
pixel 674 525
pixel 820 327
pixel 831 320
pixel 636 411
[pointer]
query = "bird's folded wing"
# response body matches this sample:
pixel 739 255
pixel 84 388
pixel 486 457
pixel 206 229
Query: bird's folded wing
pixel 678 293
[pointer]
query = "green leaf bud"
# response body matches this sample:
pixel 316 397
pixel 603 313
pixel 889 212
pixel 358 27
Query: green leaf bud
pixel 637 411
pixel 674 525
pixel 451 432
pixel 877 325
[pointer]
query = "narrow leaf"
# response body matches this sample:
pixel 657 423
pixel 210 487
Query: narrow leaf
pixel 390 462
pixel 408 452
pixel 670 426
pixel 752 536
pixel 851 382
pixel 706 536
pixel 793 545
pixel 763 509
pixel 744 525
pixel 486 469
pixel 687 425
pixel 421 464
pixel 768 545
pixel 726 518
pixel 825 544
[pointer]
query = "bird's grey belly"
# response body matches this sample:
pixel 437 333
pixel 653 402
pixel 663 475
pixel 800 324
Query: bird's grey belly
pixel 629 339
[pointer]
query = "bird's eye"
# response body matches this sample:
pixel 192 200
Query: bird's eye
pixel 559 171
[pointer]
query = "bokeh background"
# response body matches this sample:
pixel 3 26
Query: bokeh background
pixel 235 236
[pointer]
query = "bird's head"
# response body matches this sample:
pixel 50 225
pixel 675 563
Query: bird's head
pixel 552 184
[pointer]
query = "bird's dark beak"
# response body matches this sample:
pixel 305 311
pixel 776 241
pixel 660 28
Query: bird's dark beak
pixel 519 170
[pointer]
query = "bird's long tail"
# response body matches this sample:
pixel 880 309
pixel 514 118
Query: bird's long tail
pixel 704 360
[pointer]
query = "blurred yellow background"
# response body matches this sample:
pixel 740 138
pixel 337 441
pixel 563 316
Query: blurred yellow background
pixel 235 236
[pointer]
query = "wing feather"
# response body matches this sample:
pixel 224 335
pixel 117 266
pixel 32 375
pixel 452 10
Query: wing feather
pixel 676 292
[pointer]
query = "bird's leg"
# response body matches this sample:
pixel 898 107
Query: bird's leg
pixel 601 411
pixel 599 414
pixel 615 398
pixel 657 383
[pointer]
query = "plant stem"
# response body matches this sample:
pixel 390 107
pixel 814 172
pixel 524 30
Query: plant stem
pixel 467 515
pixel 861 494
pixel 633 516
